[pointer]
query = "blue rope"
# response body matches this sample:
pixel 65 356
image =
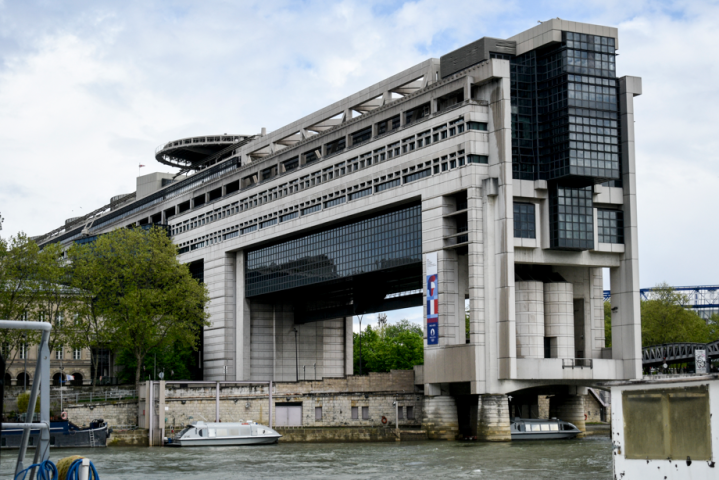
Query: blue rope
pixel 74 472
pixel 46 471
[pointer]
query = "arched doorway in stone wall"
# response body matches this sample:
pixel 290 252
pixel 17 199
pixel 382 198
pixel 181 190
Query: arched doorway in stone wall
pixel 21 379
pixel 77 379
pixel 56 379
pixel 8 379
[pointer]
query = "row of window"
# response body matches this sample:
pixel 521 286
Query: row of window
pixel 408 144
pixel 408 175
pixel 59 352
pixel 573 219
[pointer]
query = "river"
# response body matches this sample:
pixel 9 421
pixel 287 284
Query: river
pixel 588 458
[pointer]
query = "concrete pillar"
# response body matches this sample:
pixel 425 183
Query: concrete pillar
pixel 569 408
pixel 626 314
pixel 440 418
pixel 530 319
pixel 493 419
pixel 242 322
pixel 559 319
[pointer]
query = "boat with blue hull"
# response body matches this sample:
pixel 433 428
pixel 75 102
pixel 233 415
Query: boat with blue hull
pixel 63 434
pixel 542 429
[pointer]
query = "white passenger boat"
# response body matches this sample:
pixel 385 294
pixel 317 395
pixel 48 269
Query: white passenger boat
pixel 219 434
pixel 540 429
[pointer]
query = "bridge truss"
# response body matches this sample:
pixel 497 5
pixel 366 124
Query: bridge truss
pixel 702 298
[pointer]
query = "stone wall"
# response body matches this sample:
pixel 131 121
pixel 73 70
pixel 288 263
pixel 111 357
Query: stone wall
pixel 337 434
pixel 11 394
pixel 115 414
pixel 335 396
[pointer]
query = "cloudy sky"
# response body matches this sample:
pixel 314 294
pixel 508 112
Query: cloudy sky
pixel 89 89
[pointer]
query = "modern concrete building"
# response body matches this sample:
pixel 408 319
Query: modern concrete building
pixel 502 173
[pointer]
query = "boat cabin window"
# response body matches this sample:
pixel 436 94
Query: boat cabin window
pixel 184 431
pixel 199 432
pixel 553 427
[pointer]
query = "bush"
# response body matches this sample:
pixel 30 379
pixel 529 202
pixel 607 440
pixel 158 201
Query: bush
pixel 23 400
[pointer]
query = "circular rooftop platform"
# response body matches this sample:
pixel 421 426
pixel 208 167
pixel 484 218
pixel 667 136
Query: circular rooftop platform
pixel 190 153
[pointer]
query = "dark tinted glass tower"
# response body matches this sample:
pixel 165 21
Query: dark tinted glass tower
pixel 565 128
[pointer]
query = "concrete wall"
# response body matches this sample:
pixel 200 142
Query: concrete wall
pixel 530 319
pixel 558 318
pixel 115 413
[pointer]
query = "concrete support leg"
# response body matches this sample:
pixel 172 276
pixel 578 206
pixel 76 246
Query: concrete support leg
pixel 569 408
pixel 493 419
pixel 440 418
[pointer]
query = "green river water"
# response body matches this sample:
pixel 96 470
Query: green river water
pixel 588 458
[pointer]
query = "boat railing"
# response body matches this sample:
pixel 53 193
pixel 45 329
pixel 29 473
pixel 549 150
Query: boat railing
pixel 577 363
pixel 42 371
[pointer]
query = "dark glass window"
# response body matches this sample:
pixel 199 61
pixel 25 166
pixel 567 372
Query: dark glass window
pixel 289 216
pixel 249 229
pixel 360 193
pixel 335 201
pixel 268 223
pixel 417 175
pixel 384 186
pixel 361 136
pixel 477 159
pixel 524 220
pixel 312 209
pixel 386 241
pixel 610 226
pixel 477 126
pixel 310 157
pixel 234 234
pixel 571 218
pixel 335 147
pixel 291 164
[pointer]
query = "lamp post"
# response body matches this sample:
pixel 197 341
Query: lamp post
pixel 360 342
pixel 24 354
pixel 297 356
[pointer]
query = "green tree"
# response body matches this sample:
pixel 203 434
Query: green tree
pixel 608 324
pixel 176 361
pixel 28 278
pixel 396 346
pixel 666 320
pixel 145 297
pixel 713 328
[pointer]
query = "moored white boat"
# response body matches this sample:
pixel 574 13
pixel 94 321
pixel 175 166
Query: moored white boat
pixel 220 434
pixel 540 429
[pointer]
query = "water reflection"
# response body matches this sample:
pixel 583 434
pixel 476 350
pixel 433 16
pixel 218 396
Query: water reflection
pixel 588 458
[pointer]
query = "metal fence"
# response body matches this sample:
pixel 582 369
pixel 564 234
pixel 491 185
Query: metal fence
pixel 100 396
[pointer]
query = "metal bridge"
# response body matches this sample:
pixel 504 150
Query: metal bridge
pixel 702 298
pixel 677 353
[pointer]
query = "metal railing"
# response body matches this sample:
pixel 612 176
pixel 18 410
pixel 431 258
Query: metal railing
pixel 42 371
pixel 577 363
pixel 81 397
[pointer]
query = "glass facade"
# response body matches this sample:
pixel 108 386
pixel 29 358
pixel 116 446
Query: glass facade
pixel 565 127
pixel 571 222
pixel 610 226
pixel 382 242
pixel 524 220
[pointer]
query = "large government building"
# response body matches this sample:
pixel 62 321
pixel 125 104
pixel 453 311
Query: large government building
pixel 502 173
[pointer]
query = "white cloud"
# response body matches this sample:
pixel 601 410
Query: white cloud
pixel 88 90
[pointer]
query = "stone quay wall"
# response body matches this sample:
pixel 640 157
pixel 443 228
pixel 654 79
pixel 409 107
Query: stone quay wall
pixel 114 413
pixel 325 403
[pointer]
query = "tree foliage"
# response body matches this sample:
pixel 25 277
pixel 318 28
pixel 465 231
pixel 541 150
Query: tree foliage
pixel 396 346
pixel 32 287
pixel 607 324
pixel 666 320
pixel 145 298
